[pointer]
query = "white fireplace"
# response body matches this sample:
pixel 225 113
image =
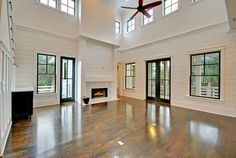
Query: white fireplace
pixel 94 86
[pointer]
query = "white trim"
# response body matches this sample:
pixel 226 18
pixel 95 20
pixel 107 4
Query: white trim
pixel 6 51
pixel 5 137
pixel 58 9
pixel 222 79
pixel 163 9
pixel 32 29
pixel 178 35
pixel 219 110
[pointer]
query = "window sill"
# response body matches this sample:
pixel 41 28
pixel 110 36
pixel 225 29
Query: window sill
pixel 130 31
pixel 46 94
pixel 205 99
pixel 131 89
pixel 144 25
pixel 172 13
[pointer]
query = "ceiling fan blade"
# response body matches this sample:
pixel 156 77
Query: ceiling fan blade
pixel 146 13
pixel 128 7
pixel 133 15
pixel 140 2
pixel 152 5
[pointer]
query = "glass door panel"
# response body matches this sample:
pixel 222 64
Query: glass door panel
pixel 158 80
pixel 67 78
pixel 151 80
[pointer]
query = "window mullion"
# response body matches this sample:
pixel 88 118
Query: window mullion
pixel 59 4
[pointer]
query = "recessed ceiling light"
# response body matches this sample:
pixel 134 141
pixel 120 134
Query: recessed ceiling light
pixel 120 143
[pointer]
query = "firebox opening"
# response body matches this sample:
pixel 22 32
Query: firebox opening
pixel 99 92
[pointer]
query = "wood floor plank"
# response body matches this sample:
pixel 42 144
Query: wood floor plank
pixel 147 129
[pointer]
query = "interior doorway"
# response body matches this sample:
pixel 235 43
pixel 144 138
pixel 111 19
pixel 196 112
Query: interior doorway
pixel 67 79
pixel 158 80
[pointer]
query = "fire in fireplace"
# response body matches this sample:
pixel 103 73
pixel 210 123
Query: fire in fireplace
pixel 99 92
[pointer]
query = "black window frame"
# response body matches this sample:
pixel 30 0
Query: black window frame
pixel 204 73
pixel 55 66
pixel 130 76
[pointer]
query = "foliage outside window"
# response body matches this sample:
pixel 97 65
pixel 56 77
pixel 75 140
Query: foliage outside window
pixel 170 6
pixel 46 73
pixel 118 30
pixel 130 76
pixel 67 6
pixel 131 25
pixel 147 20
pixel 205 75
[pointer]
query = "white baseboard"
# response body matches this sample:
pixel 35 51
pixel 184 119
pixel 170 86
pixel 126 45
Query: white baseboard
pixel 5 137
pixel 204 108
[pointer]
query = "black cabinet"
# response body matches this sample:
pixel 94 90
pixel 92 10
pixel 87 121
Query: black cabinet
pixel 22 105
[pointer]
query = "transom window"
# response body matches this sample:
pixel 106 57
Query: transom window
pixel 147 20
pixel 118 29
pixel 170 6
pixel 46 73
pixel 66 6
pixel 51 3
pixel 130 76
pixel 205 75
pixel 131 25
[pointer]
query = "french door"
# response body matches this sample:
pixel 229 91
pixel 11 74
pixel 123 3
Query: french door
pixel 67 79
pixel 158 80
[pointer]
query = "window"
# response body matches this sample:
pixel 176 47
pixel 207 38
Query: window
pixel 118 30
pixel 205 75
pixel 147 20
pixel 51 3
pixel 131 25
pixel 130 76
pixel 68 6
pixel 46 73
pixel 170 6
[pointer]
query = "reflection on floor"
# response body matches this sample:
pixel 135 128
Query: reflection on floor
pixel 127 128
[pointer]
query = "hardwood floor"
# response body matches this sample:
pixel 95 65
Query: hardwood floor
pixel 147 130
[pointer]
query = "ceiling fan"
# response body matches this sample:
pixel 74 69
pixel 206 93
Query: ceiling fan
pixel 142 8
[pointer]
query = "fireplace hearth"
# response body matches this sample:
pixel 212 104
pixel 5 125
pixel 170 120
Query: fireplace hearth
pixel 99 92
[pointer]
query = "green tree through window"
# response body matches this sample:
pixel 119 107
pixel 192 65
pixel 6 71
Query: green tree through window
pixel 205 75
pixel 46 73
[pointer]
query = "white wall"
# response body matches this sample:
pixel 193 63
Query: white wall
pixel 179 49
pixel 189 17
pixel 98 67
pixel 230 4
pixel 31 14
pixel 6 65
pixel 4 29
pixel 98 20
pixel 29 42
